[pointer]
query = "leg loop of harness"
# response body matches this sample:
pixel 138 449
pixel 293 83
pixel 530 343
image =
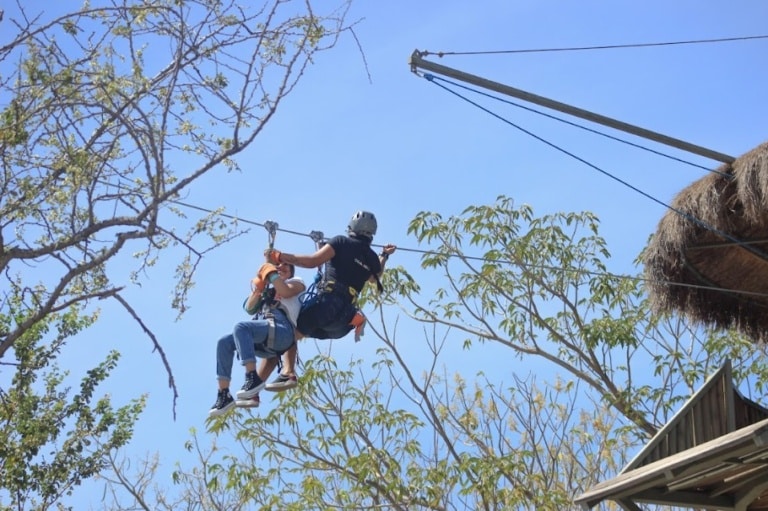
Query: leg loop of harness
pixel 271 334
pixel 269 317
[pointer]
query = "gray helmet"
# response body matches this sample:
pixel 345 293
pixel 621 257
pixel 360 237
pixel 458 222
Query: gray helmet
pixel 363 223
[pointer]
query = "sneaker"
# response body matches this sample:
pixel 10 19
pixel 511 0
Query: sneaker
pixel 358 321
pixel 282 382
pixel 223 403
pixel 253 402
pixel 253 384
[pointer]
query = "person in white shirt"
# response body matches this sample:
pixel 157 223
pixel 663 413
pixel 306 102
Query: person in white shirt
pixel 274 303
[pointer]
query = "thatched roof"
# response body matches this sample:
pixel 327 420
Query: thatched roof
pixel 709 256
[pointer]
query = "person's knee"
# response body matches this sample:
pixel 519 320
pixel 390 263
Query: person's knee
pixel 225 340
pixel 240 326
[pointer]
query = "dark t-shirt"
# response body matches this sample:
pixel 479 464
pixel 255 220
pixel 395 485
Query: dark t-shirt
pixel 353 263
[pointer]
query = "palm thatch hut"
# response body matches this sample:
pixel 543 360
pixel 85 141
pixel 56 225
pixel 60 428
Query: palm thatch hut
pixel 709 256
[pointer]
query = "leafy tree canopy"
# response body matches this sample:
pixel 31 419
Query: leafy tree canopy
pixel 51 438
pixel 111 112
pixel 398 431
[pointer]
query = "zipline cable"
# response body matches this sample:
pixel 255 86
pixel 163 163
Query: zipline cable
pixel 580 126
pixel 317 235
pixel 601 47
pixel 504 261
pixel 749 248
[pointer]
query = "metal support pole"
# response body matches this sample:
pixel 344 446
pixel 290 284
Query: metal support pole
pixel 417 62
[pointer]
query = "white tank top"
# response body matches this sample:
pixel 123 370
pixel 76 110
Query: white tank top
pixel 291 305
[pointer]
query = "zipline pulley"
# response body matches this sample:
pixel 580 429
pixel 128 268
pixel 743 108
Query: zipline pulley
pixel 317 237
pixel 271 228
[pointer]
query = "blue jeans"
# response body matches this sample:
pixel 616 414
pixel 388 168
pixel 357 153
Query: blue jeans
pixel 249 339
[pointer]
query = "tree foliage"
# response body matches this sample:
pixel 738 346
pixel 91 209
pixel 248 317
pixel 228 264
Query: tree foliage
pixel 541 286
pixel 52 439
pixel 112 112
pixel 342 440
pixel 401 432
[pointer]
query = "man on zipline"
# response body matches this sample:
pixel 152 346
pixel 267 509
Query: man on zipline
pixel 332 313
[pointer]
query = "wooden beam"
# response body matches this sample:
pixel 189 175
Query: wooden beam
pixel 718 381
pixel 686 499
pixel 683 482
pixel 417 61
pixel 742 442
pixel 753 491
pixel 628 505
pixel 747 477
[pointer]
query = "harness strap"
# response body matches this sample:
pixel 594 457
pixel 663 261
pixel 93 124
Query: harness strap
pixel 271 333
pixel 282 308
pixel 269 316
pixel 331 286
pixel 378 283
pixel 319 238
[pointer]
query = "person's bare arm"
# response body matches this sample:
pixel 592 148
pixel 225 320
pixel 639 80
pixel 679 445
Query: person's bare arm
pixel 320 257
pixel 252 302
pixel 386 251
pixel 288 289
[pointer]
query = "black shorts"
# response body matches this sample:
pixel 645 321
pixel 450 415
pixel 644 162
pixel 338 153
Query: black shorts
pixel 326 316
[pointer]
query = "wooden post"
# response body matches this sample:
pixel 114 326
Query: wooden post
pixel 417 62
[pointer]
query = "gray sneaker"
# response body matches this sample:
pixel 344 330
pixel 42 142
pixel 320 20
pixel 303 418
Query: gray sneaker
pixel 253 402
pixel 282 382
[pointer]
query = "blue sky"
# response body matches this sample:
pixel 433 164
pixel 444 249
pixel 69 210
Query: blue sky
pixel 397 144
